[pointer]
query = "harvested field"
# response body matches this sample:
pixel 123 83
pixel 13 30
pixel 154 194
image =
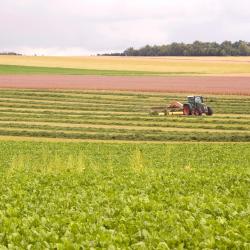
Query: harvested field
pixel 103 115
pixel 212 85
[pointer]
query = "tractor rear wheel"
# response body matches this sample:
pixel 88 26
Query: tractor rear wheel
pixel 187 110
pixel 209 111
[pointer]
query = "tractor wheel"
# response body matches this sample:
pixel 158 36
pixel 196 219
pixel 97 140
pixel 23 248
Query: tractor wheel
pixel 187 110
pixel 209 111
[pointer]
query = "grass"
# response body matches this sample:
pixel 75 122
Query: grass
pixel 137 196
pixel 31 70
pixel 103 115
pixel 125 66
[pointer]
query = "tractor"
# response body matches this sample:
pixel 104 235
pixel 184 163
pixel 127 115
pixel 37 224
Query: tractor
pixel 196 106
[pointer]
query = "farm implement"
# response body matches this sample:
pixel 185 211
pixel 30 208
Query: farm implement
pixel 194 106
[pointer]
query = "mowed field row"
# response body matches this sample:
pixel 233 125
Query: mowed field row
pixel 106 115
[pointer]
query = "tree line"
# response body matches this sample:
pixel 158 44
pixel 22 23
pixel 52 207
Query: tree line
pixel 9 54
pixel 197 48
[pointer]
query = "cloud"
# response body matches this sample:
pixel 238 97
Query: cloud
pixel 93 26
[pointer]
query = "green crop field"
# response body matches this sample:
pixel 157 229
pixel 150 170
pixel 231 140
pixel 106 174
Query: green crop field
pixel 124 196
pixel 102 115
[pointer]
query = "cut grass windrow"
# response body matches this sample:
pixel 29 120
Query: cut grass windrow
pixel 118 123
pixel 109 128
pixel 137 136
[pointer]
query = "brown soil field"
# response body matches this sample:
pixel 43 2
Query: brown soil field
pixel 200 84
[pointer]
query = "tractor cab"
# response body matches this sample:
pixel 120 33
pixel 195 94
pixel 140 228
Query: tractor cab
pixel 195 100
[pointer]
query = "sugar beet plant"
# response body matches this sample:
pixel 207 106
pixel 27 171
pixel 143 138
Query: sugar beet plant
pixel 126 196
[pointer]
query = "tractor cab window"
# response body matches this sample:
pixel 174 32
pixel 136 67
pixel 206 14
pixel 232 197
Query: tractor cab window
pixel 198 99
pixel 191 99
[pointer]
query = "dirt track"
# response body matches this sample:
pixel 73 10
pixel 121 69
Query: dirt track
pixel 213 85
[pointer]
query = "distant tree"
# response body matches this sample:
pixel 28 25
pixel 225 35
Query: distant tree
pixel 129 52
pixel 244 49
pixel 10 54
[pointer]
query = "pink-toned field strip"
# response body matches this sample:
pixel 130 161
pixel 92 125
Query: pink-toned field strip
pixel 200 84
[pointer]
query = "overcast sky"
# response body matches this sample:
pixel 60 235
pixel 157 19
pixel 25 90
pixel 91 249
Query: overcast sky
pixel 83 27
